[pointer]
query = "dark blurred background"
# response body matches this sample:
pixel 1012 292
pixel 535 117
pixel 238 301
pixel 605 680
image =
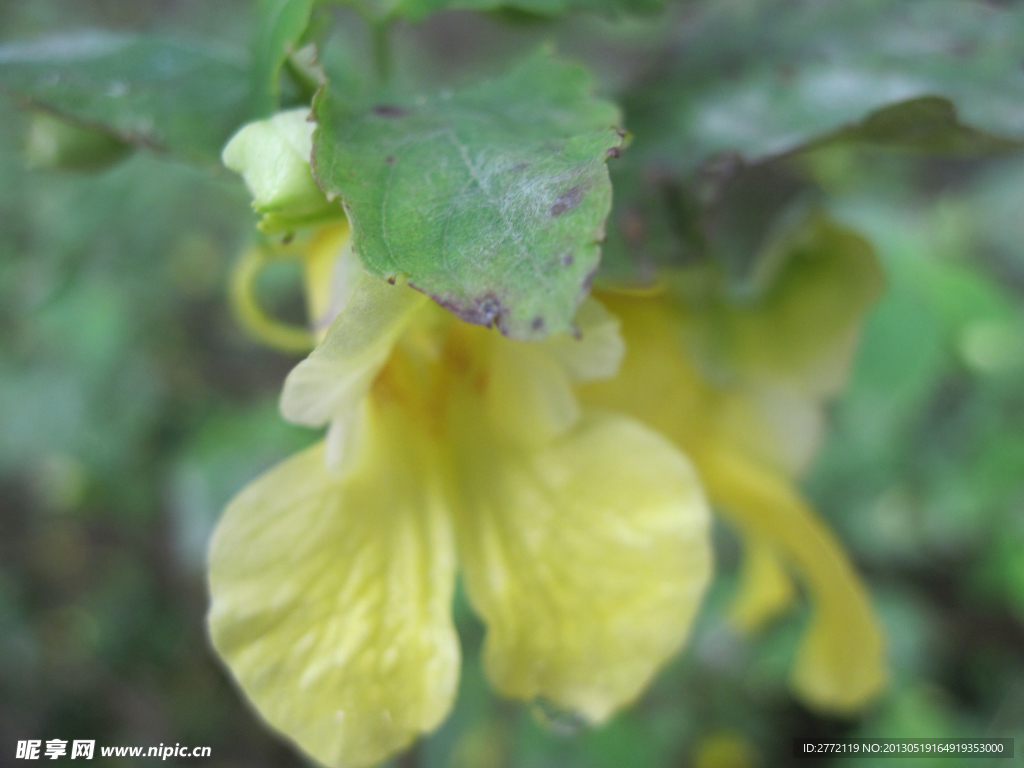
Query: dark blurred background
pixel 132 407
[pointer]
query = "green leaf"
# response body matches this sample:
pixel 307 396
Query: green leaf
pixel 926 124
pixel 165 94
pixel 280 25
pixel 418 9
pixel 768 78
pixel 492 200
pixel 730 212
pixel 754 83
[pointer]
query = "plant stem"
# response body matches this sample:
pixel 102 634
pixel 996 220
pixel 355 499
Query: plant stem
pixel 381 31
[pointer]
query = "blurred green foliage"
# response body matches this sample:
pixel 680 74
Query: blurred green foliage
pixel 132 408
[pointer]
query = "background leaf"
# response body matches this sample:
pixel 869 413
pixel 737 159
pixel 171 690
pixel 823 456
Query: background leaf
pixel 418 9
pixel 280 25
pixel 157 92
pixel 491 200
pixel 925 124
pixel 767 77
pixel 749 85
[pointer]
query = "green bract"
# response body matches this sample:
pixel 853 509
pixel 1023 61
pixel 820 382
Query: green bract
pixel 492 200
pixel 273 158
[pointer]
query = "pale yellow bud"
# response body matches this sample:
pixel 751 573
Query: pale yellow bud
pixel 273 156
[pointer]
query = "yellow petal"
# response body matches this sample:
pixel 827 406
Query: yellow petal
pixel 725 749
pixel 840 664
pixel 765 589
pixel 587 558
pixel 663 381
pixel 804 331
pixel 331 599
pixel 597 352
pixel 330 384
pixel 657 382
pixel 529 395
pixel 331 273
pixel 774 424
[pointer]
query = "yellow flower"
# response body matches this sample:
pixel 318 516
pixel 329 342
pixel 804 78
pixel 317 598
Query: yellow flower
pixel 581 535
pixel 580 531
pixel 740 389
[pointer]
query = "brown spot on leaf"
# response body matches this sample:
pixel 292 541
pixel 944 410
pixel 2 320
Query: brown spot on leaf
pixel 389 159
pixel 567 259
pixel 390 110
pixel 612 152
pixel 538 323
pixel 486 310
pixel 567 201
pixel 588 281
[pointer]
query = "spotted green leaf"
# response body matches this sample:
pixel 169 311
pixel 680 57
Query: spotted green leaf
pixel 492 200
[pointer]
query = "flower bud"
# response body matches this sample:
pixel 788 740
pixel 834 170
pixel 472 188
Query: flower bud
pixel 60 145
pixel 273 157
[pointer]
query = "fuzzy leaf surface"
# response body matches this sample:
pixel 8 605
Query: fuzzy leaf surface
pixel 491 200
